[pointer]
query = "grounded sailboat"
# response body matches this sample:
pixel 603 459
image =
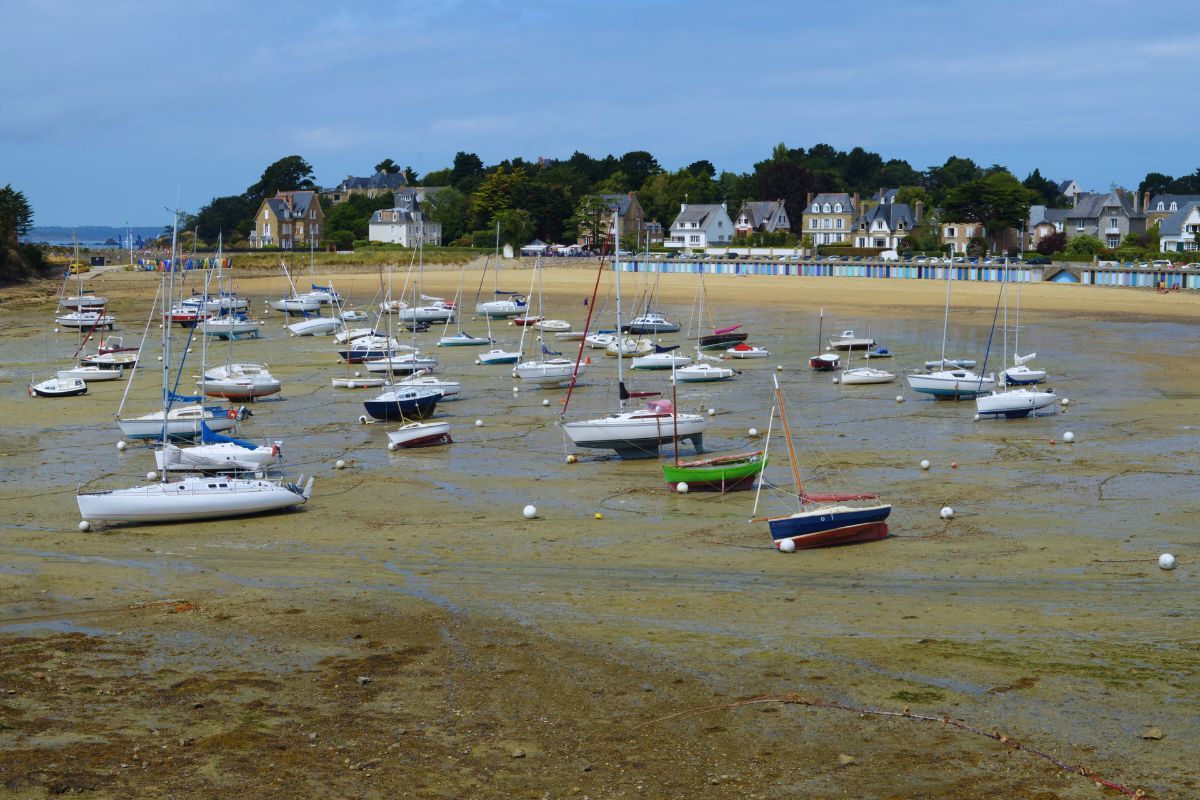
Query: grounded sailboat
pixel 818 522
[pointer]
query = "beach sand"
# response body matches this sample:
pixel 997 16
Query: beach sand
pixel 553 657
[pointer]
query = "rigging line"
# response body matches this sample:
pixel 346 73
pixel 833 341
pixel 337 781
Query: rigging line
pixel 586 326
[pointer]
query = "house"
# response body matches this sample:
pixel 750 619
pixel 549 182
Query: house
pixel 1180 232
pixel 409 195
pixel 1068 188
pixel 959 235
pixel 699 226
pixel 885 225
pixel 1044 221
pixel 762 216
pixel 1108 217
pixel 633 220
pixel 405 225
pixel 829 217
pixel 885 196
pixel 1159 207
pixel 377 184
pixel 288 220
pixel 654 232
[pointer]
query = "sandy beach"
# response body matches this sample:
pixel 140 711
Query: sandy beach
pixel 409 634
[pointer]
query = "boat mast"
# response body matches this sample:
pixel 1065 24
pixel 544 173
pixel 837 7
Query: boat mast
pixel 946 319
pixel 617 267
pixel 166 374
pixel 787 432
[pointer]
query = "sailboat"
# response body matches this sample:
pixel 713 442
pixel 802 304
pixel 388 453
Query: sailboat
pixel 633 434
pixel 1019 374
pixel 854 376
pixel 818 522
pixel 85 299
pixel 435 309
pixel 549 369
pixel 721 338
pixel 729 473
pixel 1013 403
pixel 945 381
pixel 295 303
pixel 191 497
pixel 505 304
pixel 823 362
pixel 461 338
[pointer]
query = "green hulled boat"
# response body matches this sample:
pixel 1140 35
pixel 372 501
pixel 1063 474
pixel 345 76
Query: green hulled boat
pixel 719 474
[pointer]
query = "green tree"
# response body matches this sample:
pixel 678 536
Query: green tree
pixel 1046 190
pixel 452 209
pixel 16 215
pixel 496 193
pixel 387 167
pixel 467 172
pixel 638 166
pixel 997 200
pixel 591 220
pixel 549 205
pixel 354 216
pixel 439 177
pixel 1084 245
pixel 516 226
pixel 955 172
pixel 662 195
pixel 1155 183
pixel 229 217
pixel 287 174
pixel 410 176
pixel 911 195
pixel 702 169
pixel 898 173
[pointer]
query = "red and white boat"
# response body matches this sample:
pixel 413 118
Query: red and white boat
pixel 826 362
pixel 527 320
pixel 420 434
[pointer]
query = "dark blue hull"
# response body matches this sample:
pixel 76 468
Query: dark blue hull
pixel 395 410
pixel 825 527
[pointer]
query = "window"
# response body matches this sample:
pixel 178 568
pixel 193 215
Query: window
pixel 312 213
pixel 826 223
pixel 1160 205
pixel 899 226
pixel 838 223
pixel 816 209
pixel 694 238
pixel 826 208
pixel 1174 206
pixel 950 234
pixel 1112 222
pixel 1114 241
pixel 838 208
pixel 813 224
pixel 1079 224
pixel 266 213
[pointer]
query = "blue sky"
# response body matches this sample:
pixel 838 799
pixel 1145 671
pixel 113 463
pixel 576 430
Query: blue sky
pixel 109 109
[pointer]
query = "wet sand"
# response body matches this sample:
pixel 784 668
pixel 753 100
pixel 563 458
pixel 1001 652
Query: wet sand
pixel 508 657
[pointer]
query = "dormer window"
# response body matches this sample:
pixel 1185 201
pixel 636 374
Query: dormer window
pixel 816 209
pixel 826 208
pixel 1161 207
pixel 838 208
pixel 1174 206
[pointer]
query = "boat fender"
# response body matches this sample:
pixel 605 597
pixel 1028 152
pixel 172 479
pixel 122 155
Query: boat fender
pixel 233 414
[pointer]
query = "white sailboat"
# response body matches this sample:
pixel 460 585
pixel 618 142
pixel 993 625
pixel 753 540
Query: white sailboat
pixel 1013 403
pixel 950 383
pixel 634 434
pixel 504 304
pixel 189 498
pixel 548 369
pixel 1019 374
pixel 857 376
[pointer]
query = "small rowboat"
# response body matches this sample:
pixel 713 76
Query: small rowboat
pixel 526 320
pixel 553 325
pixel 721 474
pixel 420 434
pixel 58 387
pixel 825 362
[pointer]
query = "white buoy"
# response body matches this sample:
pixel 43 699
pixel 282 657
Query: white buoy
pixel 712 412
pixel 478 423
pixel 1166 561
pixel 56 329
pixel 924 463
pixel 357 374
pixel 189 349
pixel 160 358
pixel 1066 401
pixel 779 367
pixel 516 389
pixel 121 445
pixel 977 418
pixel 681 487
pixel 510 322
pixel 545 402
pixel 362 420
pixel 571 459
pixel 1068 437
pixel 787 546
pixel 530 512
pixel 85 526
pixel 477 361
pixel 837 380
pixel 391 445
pixel 339 464
pixel 899 398
pixel 151 475
pixel 947 512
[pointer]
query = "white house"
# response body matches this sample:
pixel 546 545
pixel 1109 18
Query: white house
pixel 1178 232
pixel 700 226
pixel 404 226
pixel 885 225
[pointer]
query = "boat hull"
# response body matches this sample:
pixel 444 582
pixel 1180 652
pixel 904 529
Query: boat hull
pixel 865 375
pixel 421 434
pixel 358 383
pixel 151 425
pixel 825 363
pixel 187 500
pixel 954 385
pixel 703 373
pixel 499 357
pixel 633 436
pixel 827 527
pixel 59 387
pixel 721 341
pixel 403 408
pixel 315 327
pixel 730 474
pixel 463 340
pixel 1015 404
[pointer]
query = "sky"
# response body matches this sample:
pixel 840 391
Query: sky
pixel 116 111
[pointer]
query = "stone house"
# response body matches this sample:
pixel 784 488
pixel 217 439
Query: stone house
pixel 959 235
pixel 288 220
pixel 699 226
pixel 1159 207
pixel 633 220
pixel 405 224
pixel 762 216
pixel 885 225
pixel 829 217
pixel 373 186
pixel 1108 217
pixel 1044 221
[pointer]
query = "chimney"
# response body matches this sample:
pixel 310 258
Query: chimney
pixel 881 200
pixel 1146 202
pixel 918 207
pixel 808 202
pixel 853 202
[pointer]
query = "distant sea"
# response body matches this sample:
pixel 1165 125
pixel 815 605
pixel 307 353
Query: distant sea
pixel 90 236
